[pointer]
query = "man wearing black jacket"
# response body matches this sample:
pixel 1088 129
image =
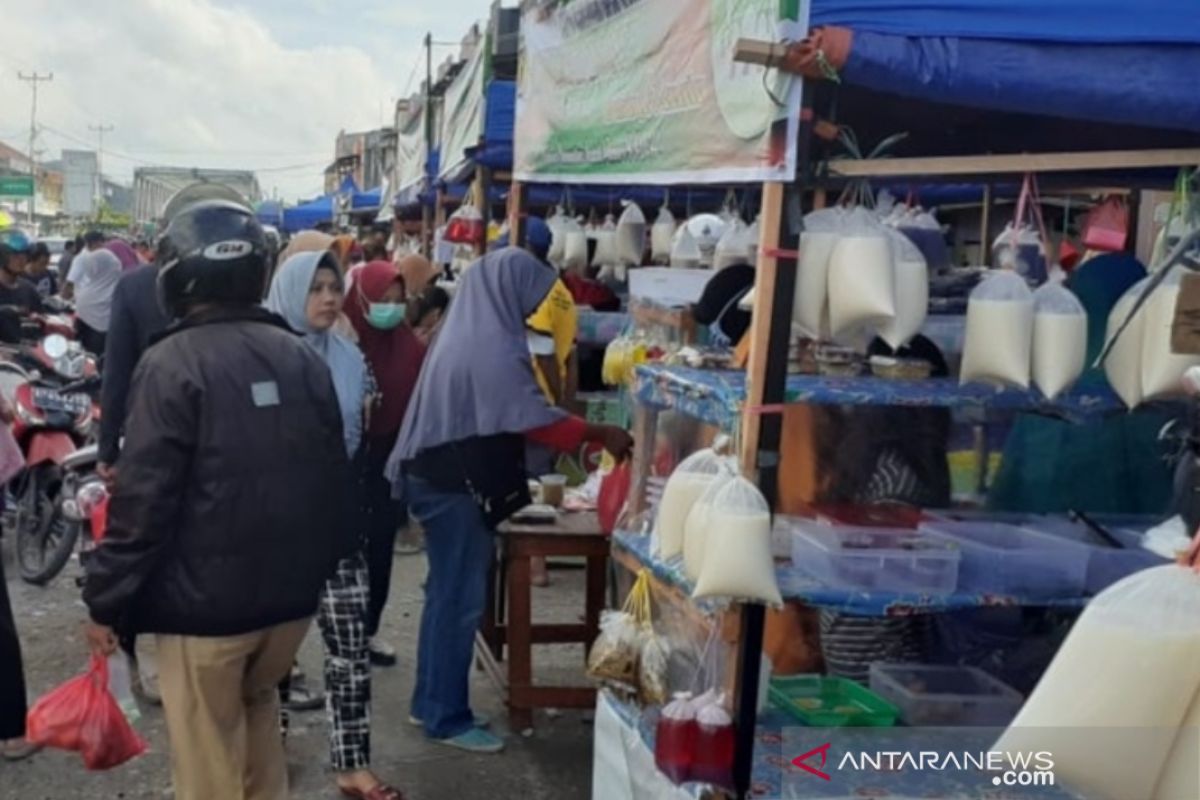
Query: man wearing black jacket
pixel 229 509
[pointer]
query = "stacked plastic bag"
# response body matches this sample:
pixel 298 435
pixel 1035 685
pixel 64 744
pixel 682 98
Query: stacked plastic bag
pixel 1015 336
pixel 628 657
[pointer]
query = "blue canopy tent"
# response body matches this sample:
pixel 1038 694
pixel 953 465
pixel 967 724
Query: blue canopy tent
pixel 270 212
pixel 1107 61
pixel 308 215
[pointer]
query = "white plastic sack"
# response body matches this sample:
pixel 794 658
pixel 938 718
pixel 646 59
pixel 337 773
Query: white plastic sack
pixel 861 283
pixel 683 489
pixel 1180 774
pixel 662 232
pixel 631 235
pixel 737 553
pixel 911 278
pixel 706 229
pixel 810 309
pixel 1060 334
pixel 685 251
pixel 695 529
pixel 556 223
pixel 606 244
pixel 999 337
pixel 1161 368
pixel 732 246
pixel 1123 366
pixel 1118 690
pixel 574 245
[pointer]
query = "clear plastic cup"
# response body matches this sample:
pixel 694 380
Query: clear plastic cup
pixel 553 489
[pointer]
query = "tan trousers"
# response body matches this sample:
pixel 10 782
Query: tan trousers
pixel 222 710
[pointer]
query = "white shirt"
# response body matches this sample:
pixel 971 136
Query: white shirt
pixel 95 281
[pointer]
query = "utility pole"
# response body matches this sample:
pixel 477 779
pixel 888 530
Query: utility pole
pixel 33 81
pixel 427 233
pixel 100 130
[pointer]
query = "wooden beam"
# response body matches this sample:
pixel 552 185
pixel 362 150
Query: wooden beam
pixel 1017 163
pixel 760 325
pixel 516 211
pixel 757 51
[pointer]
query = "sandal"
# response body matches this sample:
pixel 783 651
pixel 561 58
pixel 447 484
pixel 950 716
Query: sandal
pixel 18 749
pixel 380 792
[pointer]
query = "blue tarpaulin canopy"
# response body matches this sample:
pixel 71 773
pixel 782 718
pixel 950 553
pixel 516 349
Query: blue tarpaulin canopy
pixel 308 215
pixel 1067 21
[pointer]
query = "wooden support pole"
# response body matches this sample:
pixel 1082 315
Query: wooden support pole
pixel 516 214
pixel 483 182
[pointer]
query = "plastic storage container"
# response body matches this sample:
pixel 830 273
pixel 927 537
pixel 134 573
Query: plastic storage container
pixel 885 559
pixel 944 696
pixel 1005 559
pixel 823 702
pixel 1106 564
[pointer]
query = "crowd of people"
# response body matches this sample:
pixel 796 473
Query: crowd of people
pixel 302 405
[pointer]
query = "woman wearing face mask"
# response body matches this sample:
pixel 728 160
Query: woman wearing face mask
pixel 376 309
pixel 307 292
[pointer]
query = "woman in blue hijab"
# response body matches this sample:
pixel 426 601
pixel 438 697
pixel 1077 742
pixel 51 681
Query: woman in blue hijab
pixel 460 455
pixel 307 291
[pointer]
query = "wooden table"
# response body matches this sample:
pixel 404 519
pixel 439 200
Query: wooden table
pixel 574 534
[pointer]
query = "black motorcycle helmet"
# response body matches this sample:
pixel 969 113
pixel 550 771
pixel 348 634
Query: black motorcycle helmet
pixel 212 252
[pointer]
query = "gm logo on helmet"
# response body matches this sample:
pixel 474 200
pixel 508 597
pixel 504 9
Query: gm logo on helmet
pixel 228 250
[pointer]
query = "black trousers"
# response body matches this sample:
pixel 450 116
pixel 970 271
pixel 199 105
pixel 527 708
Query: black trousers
pixel 91 339
pixel 382 517
pixel 12 674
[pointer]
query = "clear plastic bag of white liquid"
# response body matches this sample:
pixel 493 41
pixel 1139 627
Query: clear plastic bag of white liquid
pixel 685 250
pixel 120 685
pixel 1162 369
pixel 861 281
pixel 695 529
pixel 1123 365
pixel 575 248
pixel 606 244
pixel 911 279
pixel 556 223
pixel 631 235
pixel 1111 703
pixel 810 310
pixel 732 246
pixel 662 233
pixel 737 553
pixel 683 489
pixel 999 337
pixel 1060 333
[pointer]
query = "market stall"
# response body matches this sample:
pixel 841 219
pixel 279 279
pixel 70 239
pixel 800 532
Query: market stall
pixel 883 71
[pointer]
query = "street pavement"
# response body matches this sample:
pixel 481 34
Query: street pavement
pixel 553 763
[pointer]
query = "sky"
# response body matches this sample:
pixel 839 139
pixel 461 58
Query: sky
pixel 245 84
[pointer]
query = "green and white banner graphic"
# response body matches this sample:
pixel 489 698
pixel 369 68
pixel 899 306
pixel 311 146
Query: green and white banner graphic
pixel 647 91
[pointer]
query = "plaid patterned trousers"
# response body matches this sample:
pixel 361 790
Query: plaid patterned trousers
pixel 342 618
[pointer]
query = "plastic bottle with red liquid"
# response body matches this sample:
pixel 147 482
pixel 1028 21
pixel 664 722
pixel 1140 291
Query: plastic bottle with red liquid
pixel 675 739
pixel 712 760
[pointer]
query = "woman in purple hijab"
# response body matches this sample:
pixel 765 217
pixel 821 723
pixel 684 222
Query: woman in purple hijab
pixel 460 456
pixel 124 253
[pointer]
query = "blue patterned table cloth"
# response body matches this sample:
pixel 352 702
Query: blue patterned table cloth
pixel 718 396
pixel 795 585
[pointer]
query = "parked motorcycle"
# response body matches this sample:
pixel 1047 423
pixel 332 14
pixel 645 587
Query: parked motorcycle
pixel 52 389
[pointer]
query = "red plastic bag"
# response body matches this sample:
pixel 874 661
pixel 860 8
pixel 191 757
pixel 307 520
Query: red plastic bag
pixel 82 715
pixel 465 226
pixel 1107 226
pixel 614 491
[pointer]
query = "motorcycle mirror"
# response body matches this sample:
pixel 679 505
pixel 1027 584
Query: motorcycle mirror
pixel 55 345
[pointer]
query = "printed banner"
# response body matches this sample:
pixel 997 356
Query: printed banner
pixel 462 112
pixel 646 91
pixel 410 153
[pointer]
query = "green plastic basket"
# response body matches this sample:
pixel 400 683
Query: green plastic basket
pixel 822 702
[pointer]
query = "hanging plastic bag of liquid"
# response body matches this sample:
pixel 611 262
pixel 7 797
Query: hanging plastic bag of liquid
pixel 662 234
pixel 861 278
pixel 465 226
pixel 1111 703
pixel 556 222
pixel 695 532
pixel 687 482
pixel 999 337
pixel 1123 365
pixel 911 277
pixel 732 246
pixel 631 235
pixel 810 310
pixel 738 564
pixel 1060 332
pixel 606 244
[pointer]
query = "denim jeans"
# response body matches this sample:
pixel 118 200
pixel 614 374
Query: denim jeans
pixel 459 546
